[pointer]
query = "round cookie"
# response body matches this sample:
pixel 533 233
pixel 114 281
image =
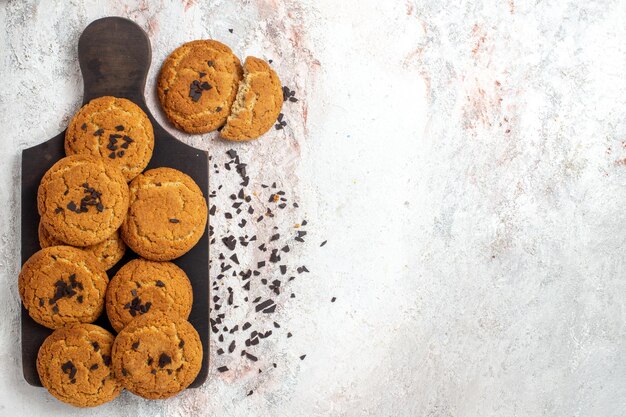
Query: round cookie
pixel 258 102
pixel 108 252
pixel 115 129
pixel 82 200
pixel 60 285
pixel 198 84
pixel 143 286
pixel 156 356
pixel 74 365
pixel 167 214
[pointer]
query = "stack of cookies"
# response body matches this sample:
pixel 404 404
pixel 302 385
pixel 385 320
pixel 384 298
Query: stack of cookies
pixel 97 201
pixel 94 203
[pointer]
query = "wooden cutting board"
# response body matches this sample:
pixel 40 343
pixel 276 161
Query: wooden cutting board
pixel 114 55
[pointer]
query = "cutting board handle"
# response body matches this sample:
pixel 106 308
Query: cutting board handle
pixel 114 55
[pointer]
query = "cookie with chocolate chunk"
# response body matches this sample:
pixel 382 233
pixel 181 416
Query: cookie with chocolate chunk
pixel 74 365
pixel 114 129
pixel 198 84
pixel 82 200
pixel 108 252
pixel 167 214
pixel 258 103
pixel 143 286
pixel 157 356
pixel 61 285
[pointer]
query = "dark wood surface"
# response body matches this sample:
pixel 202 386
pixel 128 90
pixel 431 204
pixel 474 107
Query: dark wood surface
pixel 114 55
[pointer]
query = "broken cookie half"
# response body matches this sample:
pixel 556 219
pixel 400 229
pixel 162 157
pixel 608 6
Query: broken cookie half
pixel 258 102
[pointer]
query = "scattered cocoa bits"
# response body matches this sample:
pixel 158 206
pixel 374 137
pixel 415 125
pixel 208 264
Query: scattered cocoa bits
pixel 245 275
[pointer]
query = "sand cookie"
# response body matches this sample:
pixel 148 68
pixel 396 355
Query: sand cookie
pixel 61 285
pixel 115 129
pixel 167 214
pixel 197 85
pixel 258 102
pixel 157 356
pixel 74 365
pixel 143 286
pixel 82 200
pixel 108 252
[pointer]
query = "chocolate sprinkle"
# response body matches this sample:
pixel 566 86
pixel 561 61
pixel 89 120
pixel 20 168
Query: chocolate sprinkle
pixel 164 360
pixel 263 305
pixel 160 283
pixel 136 307
pixel 91 199
pixel 174 221
pixel 230 242
pixel 69 368
pixel 196 88
pixel 222 368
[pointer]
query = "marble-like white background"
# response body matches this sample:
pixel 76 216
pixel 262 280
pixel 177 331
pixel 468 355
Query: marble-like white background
pixel 466 161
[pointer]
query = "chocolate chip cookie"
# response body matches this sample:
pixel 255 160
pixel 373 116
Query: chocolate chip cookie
pixel 108 252
pixel 167 214
pixel 60 285
pixel 143 286
pixel 197 85
pixel 82 200
pixel 258 103
pixel 115 129
pixel 74 365
pixel 157 356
